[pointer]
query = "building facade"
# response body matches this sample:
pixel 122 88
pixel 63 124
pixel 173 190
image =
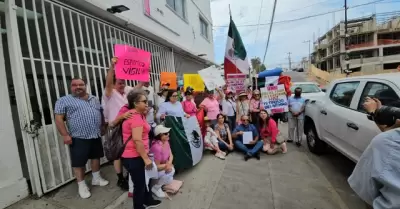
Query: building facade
pixel 371 46
pixel 46 43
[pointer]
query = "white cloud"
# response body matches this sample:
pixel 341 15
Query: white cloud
pixel 285 37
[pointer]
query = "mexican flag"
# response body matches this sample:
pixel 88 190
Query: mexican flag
pixel 235 54
pixel 186 141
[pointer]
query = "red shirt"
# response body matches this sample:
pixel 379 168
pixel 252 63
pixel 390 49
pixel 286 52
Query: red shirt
pixel 269 130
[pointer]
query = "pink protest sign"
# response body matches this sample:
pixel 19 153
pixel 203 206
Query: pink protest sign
pixel 236 82
pixel 133 63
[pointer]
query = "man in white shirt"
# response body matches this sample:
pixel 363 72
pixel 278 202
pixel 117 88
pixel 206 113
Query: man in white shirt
pixel 114 98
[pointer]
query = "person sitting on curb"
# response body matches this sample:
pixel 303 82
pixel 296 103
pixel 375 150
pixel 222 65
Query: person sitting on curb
pixel 163 158
pixel 269 132
pixel 211 140
pixel 252 149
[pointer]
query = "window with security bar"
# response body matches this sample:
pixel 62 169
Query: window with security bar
pixel 59 44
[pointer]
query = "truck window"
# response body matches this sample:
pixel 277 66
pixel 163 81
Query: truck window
pixel 381 91
pixel 343 93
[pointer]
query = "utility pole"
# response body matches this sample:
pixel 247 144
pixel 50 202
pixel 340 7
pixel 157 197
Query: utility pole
pixel 346 57
pixel 309 53
pixel 290 62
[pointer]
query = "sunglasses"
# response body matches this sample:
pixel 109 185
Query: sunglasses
pixel 165 134
pixel 174 95
pixel 244 120
pixel 145 101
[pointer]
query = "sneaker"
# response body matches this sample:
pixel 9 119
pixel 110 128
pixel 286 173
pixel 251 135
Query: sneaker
pixel 99 181
pixel 84 192
pixel 152 204
pixel 289 141
pixel 130 194
pixel 123 184
pixel 158 192
pixel 298 144
pixel 257 156
pixel 223 153
pixel 220 156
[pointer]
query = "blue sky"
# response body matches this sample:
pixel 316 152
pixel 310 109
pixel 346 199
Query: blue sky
pixel 285 37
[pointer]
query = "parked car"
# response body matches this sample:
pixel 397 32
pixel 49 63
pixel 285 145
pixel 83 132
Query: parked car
pixel 309 89
pixel 300 70
pixel 338 119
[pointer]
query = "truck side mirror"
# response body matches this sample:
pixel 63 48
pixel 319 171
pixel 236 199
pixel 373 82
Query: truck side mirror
pixel 323 90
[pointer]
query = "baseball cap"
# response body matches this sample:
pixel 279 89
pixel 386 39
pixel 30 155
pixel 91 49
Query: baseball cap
pixel 160 129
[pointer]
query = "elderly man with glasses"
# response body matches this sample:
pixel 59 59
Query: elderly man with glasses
pixel 249 148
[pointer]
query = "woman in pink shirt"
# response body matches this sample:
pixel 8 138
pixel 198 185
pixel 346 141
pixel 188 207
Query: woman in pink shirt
pixel 255 107
pixel 163 158
pixel 269 133
pixel 189 107
pixel 135 133
pixel 211 105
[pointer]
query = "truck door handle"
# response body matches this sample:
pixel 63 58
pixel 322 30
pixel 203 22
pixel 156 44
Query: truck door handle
pixel 323 112
pixel 353 126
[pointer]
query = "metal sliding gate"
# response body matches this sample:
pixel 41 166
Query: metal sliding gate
pixel 51 44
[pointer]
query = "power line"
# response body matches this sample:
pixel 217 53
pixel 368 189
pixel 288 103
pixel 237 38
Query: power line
pixel 270 30
pixel 259 18
pixel 302 18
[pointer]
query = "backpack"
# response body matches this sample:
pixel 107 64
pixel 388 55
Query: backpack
pixel 114 145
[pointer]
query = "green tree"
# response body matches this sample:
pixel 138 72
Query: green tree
pixel 257 65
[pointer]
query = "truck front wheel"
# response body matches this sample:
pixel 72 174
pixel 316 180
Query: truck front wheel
pixel 315 144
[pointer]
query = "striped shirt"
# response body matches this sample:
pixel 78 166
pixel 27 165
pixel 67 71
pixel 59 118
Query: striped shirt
pixel 83 117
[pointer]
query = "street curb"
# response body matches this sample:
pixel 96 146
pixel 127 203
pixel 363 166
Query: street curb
pixel 114 204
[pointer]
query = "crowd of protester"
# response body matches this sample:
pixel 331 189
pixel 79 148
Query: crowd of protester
pixel 139 111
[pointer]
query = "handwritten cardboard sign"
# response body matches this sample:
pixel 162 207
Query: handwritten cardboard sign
pixel 236 82
pixel 212 77
pixel 274 99
pixel 133 63
pixel 169 77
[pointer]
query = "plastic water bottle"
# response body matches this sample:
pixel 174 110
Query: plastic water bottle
pixel 151 156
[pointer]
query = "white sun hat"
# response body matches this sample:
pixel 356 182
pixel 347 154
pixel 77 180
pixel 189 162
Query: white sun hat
pixel 160 129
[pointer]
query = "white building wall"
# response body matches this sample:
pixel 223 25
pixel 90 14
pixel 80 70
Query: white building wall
pixel 164 22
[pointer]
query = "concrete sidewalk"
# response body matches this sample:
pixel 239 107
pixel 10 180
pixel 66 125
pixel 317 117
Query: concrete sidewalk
pixel 292 180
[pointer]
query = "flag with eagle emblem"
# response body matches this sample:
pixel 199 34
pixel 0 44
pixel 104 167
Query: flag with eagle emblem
pixel 236 60
pixel 185 140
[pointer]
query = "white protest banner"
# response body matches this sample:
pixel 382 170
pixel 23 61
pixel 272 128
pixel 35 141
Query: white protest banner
pixel 212 77
pixel 274 99
pixel 271 80
pixel 236 82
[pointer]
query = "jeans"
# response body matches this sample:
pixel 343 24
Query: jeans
pixel 232 122
pixel 222 146
pixel 135 167
pixel 250 149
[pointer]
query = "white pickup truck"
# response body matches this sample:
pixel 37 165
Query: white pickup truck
pixel 338 119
